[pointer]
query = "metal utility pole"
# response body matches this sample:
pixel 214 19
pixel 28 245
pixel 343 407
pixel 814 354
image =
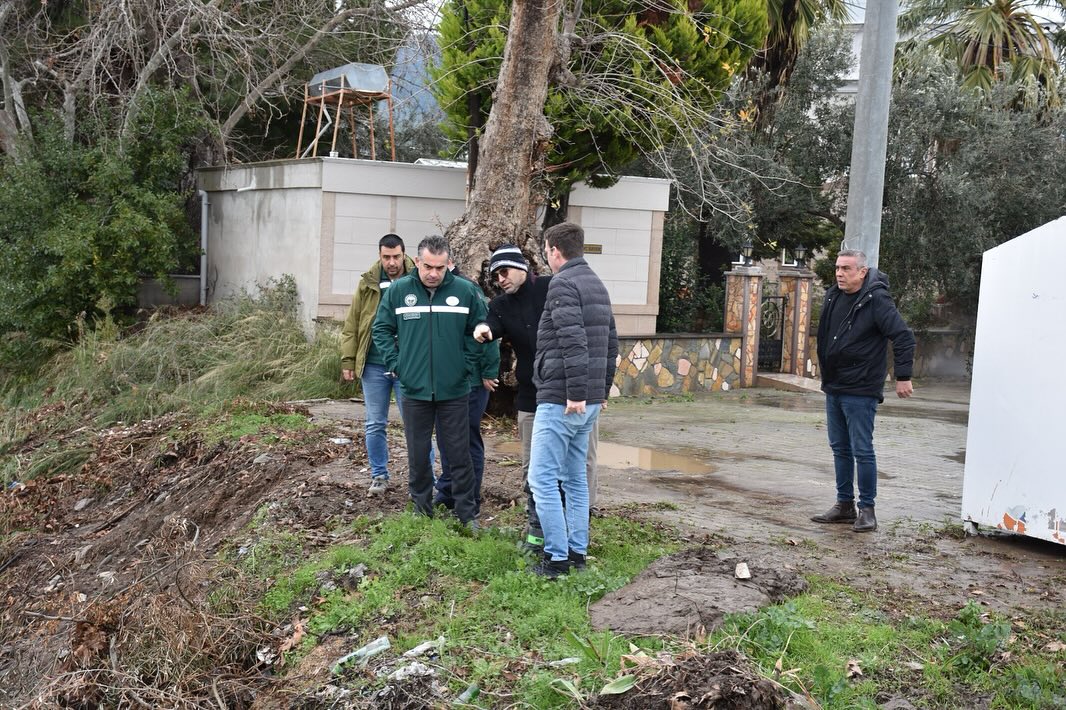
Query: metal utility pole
pixel 866 182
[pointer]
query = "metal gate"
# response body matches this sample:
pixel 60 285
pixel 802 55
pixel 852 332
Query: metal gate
pixel 771 332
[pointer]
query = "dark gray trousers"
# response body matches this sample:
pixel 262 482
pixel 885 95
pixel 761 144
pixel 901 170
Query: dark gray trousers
pixel 453 439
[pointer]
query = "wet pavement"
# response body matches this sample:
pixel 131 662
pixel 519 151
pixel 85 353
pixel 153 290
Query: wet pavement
pixel 770 467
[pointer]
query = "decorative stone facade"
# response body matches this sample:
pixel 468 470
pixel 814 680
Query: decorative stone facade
pixel 940 353
pixel 676 364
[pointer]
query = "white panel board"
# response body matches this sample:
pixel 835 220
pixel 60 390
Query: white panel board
pixel 1014 476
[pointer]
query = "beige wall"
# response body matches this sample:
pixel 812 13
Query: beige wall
pixel 320 220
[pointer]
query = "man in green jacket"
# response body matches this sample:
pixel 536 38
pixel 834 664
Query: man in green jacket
pixel 360 358
pixel 424 329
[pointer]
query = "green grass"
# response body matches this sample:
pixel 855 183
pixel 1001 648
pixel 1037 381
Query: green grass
pixel 812 638
pixel 503 626
pixel 249 348
pixel 428 578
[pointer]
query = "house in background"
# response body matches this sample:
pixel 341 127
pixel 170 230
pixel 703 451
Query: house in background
pixel 320 220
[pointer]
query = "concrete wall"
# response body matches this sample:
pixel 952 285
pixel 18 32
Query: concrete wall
pixel 264 221
pixel 320 220
pixel 941 352
pixel 1014 478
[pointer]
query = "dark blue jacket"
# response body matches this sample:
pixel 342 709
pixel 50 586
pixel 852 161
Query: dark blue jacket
pixel 577 344
pixel 854 360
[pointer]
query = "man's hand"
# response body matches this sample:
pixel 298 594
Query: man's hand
pixel 904 389
pixel 573 407
pixel 348 375
pixel 490 385
pixel 482 333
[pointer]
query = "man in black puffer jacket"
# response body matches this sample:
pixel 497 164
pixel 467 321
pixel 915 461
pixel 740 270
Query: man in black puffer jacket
pixel 858 319
pixel 577 347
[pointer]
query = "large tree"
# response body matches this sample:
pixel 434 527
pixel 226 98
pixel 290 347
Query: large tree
pixel 629 78
pixel 995 40
pixel 93 63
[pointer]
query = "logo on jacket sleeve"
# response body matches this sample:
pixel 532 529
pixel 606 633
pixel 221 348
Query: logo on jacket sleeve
pixel 452 300
pixel 410 299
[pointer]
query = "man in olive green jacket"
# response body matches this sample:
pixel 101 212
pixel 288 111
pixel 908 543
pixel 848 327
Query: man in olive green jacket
pixel 360 358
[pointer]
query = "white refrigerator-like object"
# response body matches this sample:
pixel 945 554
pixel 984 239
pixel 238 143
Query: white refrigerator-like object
pixel 1015 476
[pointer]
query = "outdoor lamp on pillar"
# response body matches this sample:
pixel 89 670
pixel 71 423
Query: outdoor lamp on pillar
pixel 746 250
pixel 801 254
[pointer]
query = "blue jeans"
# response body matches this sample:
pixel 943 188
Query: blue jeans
pixel 850 421
pixel 476 403
pixel 557 461
pixel 377 390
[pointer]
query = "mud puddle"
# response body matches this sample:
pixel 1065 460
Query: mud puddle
pixel 621 456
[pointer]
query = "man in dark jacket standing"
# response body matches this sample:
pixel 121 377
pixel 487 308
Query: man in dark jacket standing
pixel 514 315
pixel 858 319
pixel 577 347
pixel 424 330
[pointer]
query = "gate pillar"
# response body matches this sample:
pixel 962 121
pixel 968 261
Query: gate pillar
pixel 797 285
pixel 743 298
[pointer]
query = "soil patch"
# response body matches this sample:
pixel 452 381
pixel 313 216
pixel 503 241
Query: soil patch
pixel 722 679
pixel 691 592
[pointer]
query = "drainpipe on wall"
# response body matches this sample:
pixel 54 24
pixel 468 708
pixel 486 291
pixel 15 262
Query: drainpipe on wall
pixel 204 204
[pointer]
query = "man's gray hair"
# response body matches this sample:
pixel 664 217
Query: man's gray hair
pixel 860 256
pixel 434 244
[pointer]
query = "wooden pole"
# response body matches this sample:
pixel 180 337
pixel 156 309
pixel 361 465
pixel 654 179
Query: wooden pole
pixel 373 147
pixel 318 125
pixel 336 124
pixel 392 135
pixel 351 128
pixel 303 118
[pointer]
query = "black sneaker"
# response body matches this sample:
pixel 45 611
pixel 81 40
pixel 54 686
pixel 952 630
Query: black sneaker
pixel 551 569
pixel 576 560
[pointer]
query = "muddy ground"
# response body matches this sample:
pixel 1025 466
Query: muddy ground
pixel 126 545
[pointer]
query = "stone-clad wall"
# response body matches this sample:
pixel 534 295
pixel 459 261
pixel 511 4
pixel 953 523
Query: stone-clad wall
pixel 675 364
pixel 940 353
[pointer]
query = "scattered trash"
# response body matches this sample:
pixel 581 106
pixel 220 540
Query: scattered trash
pixel 565 662
pixel 364 654
pixel 340 440
pixel 742 571
pixel 414 670
pixel 914 665
pixel 266 655
pixel 424 647
pixel 853 669
pixel 469 694
pixel 261 458
pixel 82 504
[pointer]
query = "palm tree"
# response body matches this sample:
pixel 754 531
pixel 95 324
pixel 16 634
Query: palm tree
pixel 790 28
pixel 994 40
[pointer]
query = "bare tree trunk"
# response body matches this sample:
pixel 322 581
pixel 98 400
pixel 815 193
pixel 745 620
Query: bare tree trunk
pixel 512 150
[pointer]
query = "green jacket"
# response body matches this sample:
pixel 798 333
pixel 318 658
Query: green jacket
pixel 355 337
pixel 428 341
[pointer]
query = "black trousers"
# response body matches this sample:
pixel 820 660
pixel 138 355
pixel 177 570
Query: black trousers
pixel 453 439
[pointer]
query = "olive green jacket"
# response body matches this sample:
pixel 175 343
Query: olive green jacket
pixel 355 338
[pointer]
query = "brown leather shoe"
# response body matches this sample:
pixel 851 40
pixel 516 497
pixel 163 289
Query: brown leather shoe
pixel 866 522
pixel 841 512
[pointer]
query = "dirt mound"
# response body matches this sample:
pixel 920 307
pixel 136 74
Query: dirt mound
pixel 691 591
pixel 722 679
pixel 97 564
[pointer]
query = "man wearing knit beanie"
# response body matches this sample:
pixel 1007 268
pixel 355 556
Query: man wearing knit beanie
pixel 515 315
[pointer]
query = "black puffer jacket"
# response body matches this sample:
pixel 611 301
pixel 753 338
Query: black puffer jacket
pixel 577 345
pixel 516 316
pixel 854 359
